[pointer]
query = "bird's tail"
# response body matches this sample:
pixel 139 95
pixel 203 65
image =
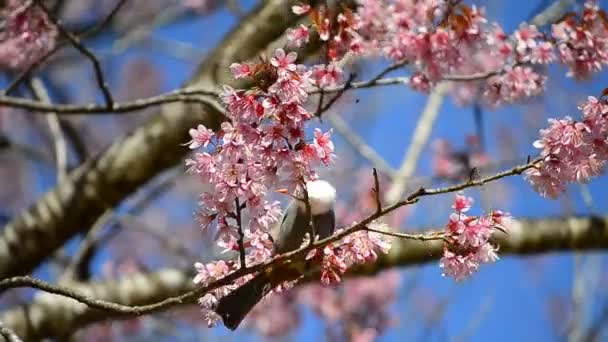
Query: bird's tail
pixel 236 305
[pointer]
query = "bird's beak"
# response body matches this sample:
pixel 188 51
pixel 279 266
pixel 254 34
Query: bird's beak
pixel 283 191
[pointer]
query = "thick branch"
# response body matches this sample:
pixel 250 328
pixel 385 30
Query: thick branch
pixel 53 315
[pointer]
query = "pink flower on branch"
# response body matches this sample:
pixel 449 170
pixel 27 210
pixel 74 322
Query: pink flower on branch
pixel 358 248
pixel 572 151
pixel 467 245
pixel 298 36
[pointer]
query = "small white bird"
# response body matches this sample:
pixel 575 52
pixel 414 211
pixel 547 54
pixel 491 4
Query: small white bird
pixel 287 236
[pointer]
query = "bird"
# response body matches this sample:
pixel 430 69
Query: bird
pixel 287 236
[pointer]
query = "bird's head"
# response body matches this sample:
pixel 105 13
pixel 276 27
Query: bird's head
pixel 321 195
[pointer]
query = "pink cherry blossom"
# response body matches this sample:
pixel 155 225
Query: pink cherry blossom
pixel 283 61
pixel 583 42
pixel 27 35
pixel 572 151
pixel 525 38
pixel 468 237
pixel 298 36
pixel 462 204
pixel 201 136
pixel 457 266
pixel 327 75
pixel 241 70
pixel 300 9
pixel 324 145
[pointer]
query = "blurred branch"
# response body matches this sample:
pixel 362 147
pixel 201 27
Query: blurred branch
pixel 421 134
pixel 78 267
pixel 475 321
pixel 526 237
pixel 60 146
pixel 594 333
pixel 552 13
pixel 143 30
pixel 360 145
pixel 8 334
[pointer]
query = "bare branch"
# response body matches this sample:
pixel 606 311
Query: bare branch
pixel 186 95
pixel 75 41
pixel 377 191
pixel 421 134
pixel 360 145
pixel 8 334
pixel 60 146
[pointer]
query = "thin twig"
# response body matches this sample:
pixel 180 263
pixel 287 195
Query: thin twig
pixel 323 108
pixel 430 236
pixel 388 70
pixel 75 41
pixel 104 22
pixel 311 223
pixel 60 145
pixel 377 191
pixel 86 246
pixel 188 95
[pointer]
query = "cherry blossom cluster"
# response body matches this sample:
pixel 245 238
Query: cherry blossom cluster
pixel 27 35
pixel 262 147
pixel 468 237
pixel 357 248
pixel 441 39
pixel 339 34
pixel 583 42
pixel 572 151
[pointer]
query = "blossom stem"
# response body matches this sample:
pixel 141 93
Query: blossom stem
pixel 241 240
pixel 420 237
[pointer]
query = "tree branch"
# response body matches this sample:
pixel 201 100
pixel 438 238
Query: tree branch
pixel 8 334
pixel 75 41
pixel 54 315
pixel 186 95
